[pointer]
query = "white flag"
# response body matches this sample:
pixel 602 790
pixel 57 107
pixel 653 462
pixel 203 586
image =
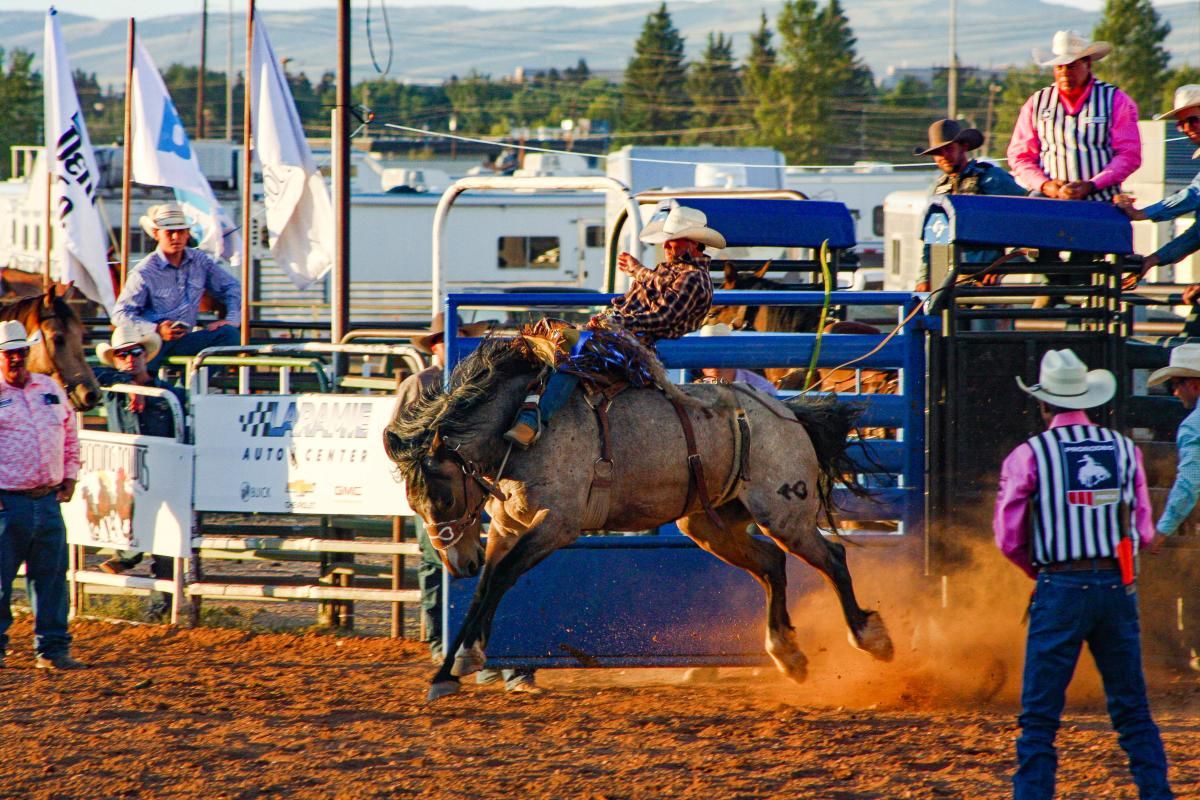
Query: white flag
pixel 299 214
pixel 163 156
pixel 80 238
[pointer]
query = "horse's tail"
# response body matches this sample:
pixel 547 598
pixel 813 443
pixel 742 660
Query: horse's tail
pixel 829 424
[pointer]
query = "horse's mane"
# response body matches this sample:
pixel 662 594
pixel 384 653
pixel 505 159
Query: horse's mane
pixel 19 308
pixel 451 413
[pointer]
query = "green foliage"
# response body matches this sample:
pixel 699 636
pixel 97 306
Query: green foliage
pixel 1019 84
pixel 20 104
pixel 1180 76
pixel 715 89
pixel 1138 62
pixel 818 87
pixel 654 93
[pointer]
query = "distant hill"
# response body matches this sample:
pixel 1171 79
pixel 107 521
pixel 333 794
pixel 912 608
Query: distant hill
pixel 432 43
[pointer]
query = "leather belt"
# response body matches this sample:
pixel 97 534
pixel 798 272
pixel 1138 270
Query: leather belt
pixel 36 493
pixel 1083 565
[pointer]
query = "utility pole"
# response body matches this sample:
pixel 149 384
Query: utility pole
pixel 203 68
pixel 952 74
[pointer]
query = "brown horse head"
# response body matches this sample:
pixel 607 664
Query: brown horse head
pixel 59 352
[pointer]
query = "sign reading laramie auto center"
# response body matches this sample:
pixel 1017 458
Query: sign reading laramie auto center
pixel 302 453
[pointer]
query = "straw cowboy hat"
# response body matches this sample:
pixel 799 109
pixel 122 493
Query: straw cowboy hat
pixel 1068 47
pixel 948 131
pixel 1186 96
pixel 437 332
pixel 124 336
pixel 164 217
pixel 1185 363
pixel 14 337
pixel 680 222
pixel 716 329
pixel 1066 382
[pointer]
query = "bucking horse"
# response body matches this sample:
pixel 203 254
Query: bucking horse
pixel 722 456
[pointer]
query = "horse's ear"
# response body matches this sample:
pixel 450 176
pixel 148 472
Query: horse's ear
pixel 48 300
pixel 64 289
pixel 435 443
pixel 763 269
pixel 730 276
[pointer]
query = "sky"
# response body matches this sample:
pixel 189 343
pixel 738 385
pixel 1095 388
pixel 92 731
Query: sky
pixel 113 9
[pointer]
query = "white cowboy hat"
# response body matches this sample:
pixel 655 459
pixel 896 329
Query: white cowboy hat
pixel 14 337
pixel 1186 96
pixel 1185 363
pixel 437 332
pixel 127 336
pixel 1068 47
pixel 680 222
pixel 1066 382
pixel 716 329
pixel 164 217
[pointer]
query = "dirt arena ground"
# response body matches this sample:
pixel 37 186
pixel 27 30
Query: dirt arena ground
pixel 211 713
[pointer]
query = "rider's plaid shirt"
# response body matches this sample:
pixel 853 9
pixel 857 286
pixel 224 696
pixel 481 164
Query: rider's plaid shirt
pixel 666 302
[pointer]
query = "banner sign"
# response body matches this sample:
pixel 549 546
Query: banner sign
pixel 301 453
pixel 133 493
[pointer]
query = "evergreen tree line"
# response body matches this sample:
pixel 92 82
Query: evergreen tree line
pixel 801 88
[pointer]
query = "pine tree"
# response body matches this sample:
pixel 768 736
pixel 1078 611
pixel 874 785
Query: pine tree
pixel 760 59
pixel 654 93
pixel 715 89
pixel 817 87
pixel 20 104
pixel 1138 61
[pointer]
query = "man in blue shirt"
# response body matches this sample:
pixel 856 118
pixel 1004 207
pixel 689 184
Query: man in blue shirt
pixel 949 144
pixel 1187 120
pixel 164 290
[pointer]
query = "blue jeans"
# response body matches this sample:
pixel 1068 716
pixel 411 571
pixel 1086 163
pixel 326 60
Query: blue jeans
pixel 194 342
pixel 32 531
pixel 1070 608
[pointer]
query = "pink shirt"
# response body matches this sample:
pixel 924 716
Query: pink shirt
pixel 1024 150
pixel 1018 483
pixel 39 445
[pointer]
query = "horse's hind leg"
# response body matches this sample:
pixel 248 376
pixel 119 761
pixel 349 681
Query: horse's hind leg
pixel 767 564
pixel 796 531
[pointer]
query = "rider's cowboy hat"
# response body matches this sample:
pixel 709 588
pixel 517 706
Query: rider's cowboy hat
pixel 1185 363
pixel 1068 47
pixel 14 337
pixel 1186 96
pixel 680 222
pixel 948 131
pixel 1065 381
pixel 164 217
pixel 437 332
pixel 127 336
pixel 716 329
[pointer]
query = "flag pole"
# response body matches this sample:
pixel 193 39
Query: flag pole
pixel 339 316
pixel 127 162
pixel 247 173
pixel 46 246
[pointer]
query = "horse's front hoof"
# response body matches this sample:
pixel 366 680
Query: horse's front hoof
pixel 468 661
pixel 441 689
pixel 874 638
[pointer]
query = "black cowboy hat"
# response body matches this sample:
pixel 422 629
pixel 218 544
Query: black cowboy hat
pixel 947 131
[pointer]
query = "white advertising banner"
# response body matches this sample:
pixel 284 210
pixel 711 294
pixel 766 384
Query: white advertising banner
pixel 134 493
pixel 301 454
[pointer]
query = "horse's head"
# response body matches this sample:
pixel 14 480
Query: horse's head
pixel 60 351
pixel 741 317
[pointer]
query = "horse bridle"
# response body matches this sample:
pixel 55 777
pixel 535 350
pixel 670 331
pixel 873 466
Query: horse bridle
pixel 450 531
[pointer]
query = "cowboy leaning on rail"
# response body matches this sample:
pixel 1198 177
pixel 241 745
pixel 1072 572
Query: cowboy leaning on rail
pixel 662 303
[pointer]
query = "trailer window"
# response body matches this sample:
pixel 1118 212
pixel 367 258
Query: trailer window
pixel 528 252
pixel 594 236
pixel 877 220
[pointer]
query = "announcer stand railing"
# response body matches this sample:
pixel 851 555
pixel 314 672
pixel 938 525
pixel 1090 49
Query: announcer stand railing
pixel 285 484
pixel 573 614
pixel 994 325
pixel 77 575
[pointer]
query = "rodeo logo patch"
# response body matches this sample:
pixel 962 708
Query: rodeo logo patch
pixel 1091 470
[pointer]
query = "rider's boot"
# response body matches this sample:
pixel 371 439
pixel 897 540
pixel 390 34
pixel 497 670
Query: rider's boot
pixel 538 409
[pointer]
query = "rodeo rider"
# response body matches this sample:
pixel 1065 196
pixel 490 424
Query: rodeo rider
pixel 1071 511
pixel 662 303
pixel 39 461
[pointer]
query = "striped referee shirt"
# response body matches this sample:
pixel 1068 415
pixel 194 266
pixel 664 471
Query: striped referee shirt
pixel 1096 140
pixel 1062 494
